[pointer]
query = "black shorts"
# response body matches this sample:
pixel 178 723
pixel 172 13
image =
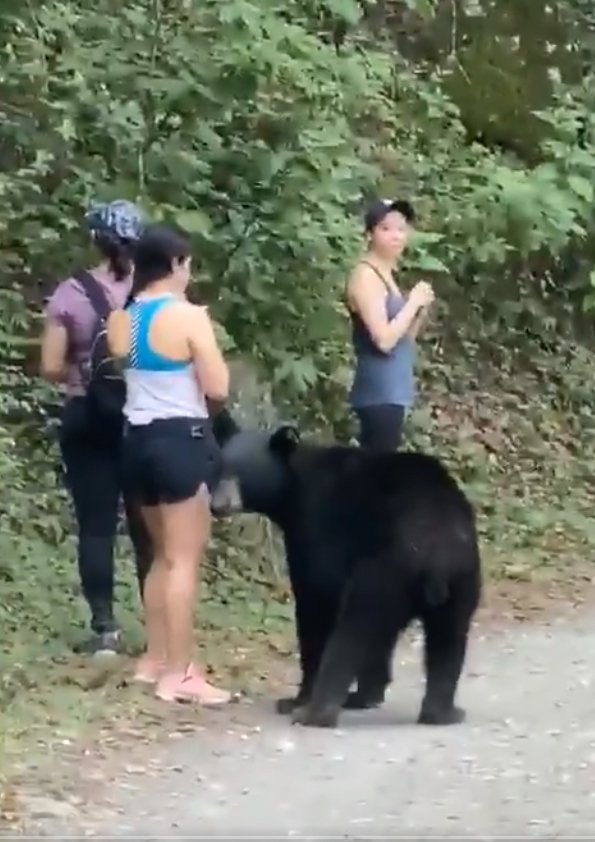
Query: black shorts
pixel 380 426
pixel 169 459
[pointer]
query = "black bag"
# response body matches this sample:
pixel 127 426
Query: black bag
pixel 102 377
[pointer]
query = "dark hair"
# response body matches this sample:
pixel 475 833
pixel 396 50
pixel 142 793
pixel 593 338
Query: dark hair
pixel 118 252
pixel 155 253
pixel 377 210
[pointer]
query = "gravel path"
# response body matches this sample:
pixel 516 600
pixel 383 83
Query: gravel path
pixel 523 764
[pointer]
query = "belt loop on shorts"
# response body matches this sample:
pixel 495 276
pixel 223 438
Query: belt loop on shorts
pixel 197 431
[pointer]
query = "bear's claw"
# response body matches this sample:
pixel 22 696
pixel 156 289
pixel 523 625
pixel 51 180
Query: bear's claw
pixel 326 717
pixel 287 704
pixel 441 716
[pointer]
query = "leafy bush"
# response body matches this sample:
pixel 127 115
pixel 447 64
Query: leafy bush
pixel 260 127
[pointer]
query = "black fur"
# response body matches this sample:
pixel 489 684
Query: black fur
pixel 373 541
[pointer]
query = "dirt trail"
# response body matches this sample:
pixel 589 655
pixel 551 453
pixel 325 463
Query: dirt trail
pixel 523 764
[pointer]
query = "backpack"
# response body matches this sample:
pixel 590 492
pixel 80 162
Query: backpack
pixel 102 376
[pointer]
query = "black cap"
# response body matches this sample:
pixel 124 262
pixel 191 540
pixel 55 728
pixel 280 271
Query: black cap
pixel 380 208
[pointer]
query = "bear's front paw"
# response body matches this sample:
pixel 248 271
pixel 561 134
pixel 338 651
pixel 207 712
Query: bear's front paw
pixel 288 704
pixel 325 717
pixel 435 715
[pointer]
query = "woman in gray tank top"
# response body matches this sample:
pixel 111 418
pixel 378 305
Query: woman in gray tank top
pixel 385 324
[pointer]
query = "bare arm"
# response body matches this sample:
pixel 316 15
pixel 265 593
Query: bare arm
pixel 366 296
pixel 118 333
pixel 54 349
pixel 418 323
pixel 211 368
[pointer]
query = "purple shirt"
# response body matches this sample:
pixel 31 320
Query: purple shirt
pixel 70 307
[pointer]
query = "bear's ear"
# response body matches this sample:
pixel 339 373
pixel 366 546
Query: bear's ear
pixel 284 441
pixel 223 425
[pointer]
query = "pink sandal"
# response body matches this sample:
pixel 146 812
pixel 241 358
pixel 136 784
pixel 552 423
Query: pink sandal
pixel 190 686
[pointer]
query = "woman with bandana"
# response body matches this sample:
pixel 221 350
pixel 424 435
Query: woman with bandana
pixel 90 449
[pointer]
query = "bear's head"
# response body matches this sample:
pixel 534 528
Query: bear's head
pixel 256 469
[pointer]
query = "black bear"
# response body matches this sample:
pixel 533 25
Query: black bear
pixel 373 541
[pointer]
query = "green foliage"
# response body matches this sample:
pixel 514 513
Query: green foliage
pixel 259 127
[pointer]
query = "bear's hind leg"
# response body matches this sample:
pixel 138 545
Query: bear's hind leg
pixel 446 632
pixel 373 678
pixel 338 669
pixel 369 622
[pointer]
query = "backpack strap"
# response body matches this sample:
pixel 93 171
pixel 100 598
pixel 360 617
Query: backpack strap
pixel 95 293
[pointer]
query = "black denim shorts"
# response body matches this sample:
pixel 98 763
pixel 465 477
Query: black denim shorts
pixel 167 460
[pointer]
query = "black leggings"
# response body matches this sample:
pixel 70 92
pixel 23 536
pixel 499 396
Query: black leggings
pixel 380 426
pixel 92 467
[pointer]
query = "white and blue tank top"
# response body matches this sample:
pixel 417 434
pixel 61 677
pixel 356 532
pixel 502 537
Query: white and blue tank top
pixel 157 387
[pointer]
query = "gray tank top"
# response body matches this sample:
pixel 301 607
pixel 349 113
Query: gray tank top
pixel 382 378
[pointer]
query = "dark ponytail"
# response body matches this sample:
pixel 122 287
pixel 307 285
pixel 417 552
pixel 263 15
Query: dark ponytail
pixel 156 252
pixel 119 253
pixel 134 291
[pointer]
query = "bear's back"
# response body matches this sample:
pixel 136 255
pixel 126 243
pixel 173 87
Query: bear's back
pixel 366 501
pixel 353 472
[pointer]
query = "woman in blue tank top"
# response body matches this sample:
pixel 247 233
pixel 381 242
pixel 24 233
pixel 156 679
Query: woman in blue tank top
pixel 385 324
pixel 172 366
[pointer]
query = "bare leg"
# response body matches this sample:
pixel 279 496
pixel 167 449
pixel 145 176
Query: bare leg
pixel 151 664
pixel 186 529
pixel 185 532
pixel 142 543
